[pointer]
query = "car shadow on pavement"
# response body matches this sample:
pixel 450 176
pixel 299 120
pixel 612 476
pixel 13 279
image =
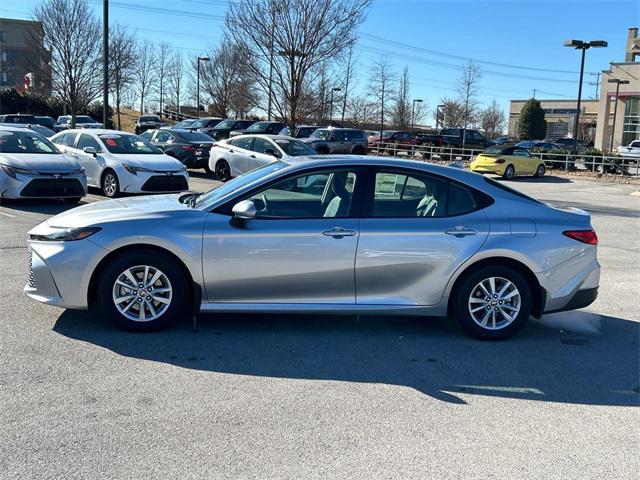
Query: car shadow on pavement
pixel 548 361
pixel 48 207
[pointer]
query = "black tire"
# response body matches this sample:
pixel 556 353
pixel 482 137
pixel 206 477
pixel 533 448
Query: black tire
pixel 109 184
pixel 223 170
pixel 179 305
pixel 73 200
pixel 509 172
pixel 540 171
pixel 467 287
pixel 358 150
pixel 322 151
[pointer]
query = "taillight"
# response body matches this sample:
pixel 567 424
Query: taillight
pixel 500 160
pixel 584 236
pixel 188 148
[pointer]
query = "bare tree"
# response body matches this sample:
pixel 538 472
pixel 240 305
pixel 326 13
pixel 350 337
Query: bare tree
pixel 360 110
pixel 144 71
pixel 72 33
pixel 401 109
pixel 380 87
pixel 226 80
pixel 163 65
pixel 451 114
pixel 299 36
pixel 122 65
pixel 492 120
pixel 467 88
pixel 176 77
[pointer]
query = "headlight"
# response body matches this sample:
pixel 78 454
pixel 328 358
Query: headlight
pixel 13 171
pixel 66 234
pixel 77 171
pixel 135 170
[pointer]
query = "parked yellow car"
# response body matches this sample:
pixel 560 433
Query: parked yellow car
pixel 508 161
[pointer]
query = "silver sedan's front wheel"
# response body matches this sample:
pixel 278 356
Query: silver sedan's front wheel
pixel 494 303
pixel 142 290
pixel 142 293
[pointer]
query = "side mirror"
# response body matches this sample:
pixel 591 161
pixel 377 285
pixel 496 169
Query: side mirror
pixel 245 210
pixel 90 151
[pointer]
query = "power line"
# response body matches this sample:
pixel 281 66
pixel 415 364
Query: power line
pixel 160 10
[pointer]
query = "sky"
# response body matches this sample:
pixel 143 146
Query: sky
pixel 517 43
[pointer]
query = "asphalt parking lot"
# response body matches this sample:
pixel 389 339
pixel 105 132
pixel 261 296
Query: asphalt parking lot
pixel 323 397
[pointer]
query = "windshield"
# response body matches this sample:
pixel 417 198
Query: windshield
pixel 149 119
pixel 199 123
pixel 130 144
pixel 321 134
pixel 295 148
pixel 84 119
pixel 225 124
pixel 259 126
pixel 237 183
pixel 183 124
pixel 25 142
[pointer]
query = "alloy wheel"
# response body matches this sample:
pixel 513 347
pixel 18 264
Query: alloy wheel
pixel 222 171
pixel 142 293
pixel 494 303
pixel 110 184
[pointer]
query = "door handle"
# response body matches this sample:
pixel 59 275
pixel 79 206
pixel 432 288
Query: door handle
pixel 460 231
pixel 339 232
pixel 252 156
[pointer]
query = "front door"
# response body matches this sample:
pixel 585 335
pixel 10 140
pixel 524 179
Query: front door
pixel 417 230
pixel 300 248
pixel 91 163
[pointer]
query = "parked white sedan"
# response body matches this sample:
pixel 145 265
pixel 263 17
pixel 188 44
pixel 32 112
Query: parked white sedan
pixel 120 162
pixel 235 156
pixel 631 151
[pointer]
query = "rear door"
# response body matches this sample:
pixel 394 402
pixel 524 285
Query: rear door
pixel 416 230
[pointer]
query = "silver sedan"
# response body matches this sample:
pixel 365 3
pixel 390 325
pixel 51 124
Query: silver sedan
pixel 335 234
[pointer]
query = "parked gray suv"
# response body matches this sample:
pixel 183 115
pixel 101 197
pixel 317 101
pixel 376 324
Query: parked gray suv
pixel 337 140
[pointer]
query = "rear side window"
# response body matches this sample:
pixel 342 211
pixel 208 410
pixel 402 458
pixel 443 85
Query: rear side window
pixel 354 135
pixel 88 141
pixel 460 200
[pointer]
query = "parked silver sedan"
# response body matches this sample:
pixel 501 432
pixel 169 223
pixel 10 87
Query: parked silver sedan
pixel 32 167
pixel 336 234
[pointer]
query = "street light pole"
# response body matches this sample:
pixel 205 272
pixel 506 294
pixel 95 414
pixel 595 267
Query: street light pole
pixel 413 111
pixel 618 82
pixel 337 89
pixel 200 59
pixel 583 46
pixel 105 63
pixel 438 107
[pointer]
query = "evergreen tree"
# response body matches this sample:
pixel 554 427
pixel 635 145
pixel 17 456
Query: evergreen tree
pixel 532 125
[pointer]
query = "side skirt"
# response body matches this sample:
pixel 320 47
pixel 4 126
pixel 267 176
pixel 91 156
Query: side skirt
pixel 321 308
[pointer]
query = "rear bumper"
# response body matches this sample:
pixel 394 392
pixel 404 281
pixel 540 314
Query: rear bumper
pixel 581 299
pixel 497 169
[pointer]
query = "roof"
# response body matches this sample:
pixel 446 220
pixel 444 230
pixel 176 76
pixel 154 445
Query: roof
pixel 96 131
pixel 14 127
pixel 262 135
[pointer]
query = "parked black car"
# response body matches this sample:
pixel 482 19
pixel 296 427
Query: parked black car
pixel 225 127
pixel 204 124
pixel 260 128
pixel 48 122
pixel 191 148
pixel 18 118
pixel 542 146
pixel 569 144
pixel 147 122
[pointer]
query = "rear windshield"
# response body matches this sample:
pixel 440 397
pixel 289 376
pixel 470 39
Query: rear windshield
pixel 149 119
pixel 129 144
pixel 25 142
pixel 84 119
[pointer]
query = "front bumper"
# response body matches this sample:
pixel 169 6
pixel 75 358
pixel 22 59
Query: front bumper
pixel 152 182
pixel 43 186
pixel 60 272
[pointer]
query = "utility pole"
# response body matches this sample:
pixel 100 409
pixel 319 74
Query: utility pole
pixel 413 111
pixel 105 62
pixel 200 59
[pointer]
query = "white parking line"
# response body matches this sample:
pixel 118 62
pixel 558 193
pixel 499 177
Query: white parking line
pixel 7 215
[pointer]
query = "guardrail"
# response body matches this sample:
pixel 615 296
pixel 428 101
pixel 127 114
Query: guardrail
pixel 597 163
pixel 174 115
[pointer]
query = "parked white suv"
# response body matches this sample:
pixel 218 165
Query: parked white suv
pixel 632 150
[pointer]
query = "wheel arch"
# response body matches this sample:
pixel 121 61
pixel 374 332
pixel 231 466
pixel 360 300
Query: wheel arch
pixel 538 293
pixel 92 291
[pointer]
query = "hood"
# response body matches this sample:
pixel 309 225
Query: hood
pixel 154 162
pixel 59 163
pixel 107 211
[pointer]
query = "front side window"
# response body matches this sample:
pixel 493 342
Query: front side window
pixel 147 135
pixel 128 144
pixel 321 194
pixel 25 142
pixel 88 141
pixel 261 145
pixel 295 148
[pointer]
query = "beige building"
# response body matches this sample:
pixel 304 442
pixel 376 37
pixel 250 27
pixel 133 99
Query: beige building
pixel 560 115
pixel 627 121
pixel 21 42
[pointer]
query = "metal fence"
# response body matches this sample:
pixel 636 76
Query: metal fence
pixel 593 162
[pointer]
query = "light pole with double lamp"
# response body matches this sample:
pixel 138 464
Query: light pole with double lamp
pixel 618 82
pixel 336 89
pixel 438 115
pixel 413 111
pixel 584 46
pixel 200 59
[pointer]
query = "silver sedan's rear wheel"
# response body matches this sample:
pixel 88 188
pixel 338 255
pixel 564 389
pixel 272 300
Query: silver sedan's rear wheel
pixel 143 291
pixel 492 302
